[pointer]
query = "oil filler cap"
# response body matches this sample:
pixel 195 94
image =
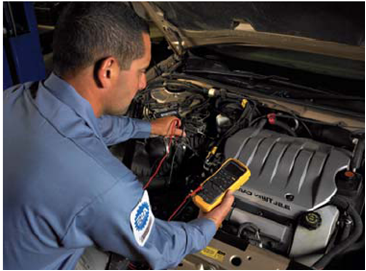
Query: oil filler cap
pixel 311 220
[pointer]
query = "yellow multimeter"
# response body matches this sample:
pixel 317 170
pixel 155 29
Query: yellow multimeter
pixel 230 176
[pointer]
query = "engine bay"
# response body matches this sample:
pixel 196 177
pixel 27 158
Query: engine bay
pixel 303 202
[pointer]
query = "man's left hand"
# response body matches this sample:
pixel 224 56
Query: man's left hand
pixel 163 126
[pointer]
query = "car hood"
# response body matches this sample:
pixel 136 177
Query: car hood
pixel 333 29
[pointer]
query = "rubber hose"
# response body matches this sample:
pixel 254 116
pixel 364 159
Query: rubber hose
pixel 353 237
pixel 357 157
pixel 285 127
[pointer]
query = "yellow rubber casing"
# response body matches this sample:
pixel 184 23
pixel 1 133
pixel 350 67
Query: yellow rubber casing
pixel 207 207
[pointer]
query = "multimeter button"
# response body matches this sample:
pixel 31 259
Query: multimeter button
pixel 216 185
pixel 211 187
pixel 208 199
pixel 231 178
pixel 207 185
pixel 208 191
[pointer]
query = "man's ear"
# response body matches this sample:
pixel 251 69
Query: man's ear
pixel 105 71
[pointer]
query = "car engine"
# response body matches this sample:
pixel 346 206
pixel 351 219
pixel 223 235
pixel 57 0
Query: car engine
pixel 290 176
pixel 303 199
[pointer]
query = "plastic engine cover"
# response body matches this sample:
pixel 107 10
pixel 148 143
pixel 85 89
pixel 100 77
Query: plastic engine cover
pixel 290 175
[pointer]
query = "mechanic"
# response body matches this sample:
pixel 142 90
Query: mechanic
pixel 63 190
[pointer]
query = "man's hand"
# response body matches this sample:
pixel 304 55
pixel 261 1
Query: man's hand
pixel 163 126
pixel 219 213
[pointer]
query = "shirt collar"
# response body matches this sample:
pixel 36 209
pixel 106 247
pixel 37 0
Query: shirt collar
pixel 69 96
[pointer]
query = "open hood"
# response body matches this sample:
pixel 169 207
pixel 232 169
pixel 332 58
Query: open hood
pixel 327 28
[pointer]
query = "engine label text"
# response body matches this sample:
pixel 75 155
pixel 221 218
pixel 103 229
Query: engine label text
pixel 265 199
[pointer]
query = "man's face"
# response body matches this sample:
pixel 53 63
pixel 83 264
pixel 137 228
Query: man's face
pixel 129 82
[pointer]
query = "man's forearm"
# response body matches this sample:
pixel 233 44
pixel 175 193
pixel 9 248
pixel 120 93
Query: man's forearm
pixel 118 129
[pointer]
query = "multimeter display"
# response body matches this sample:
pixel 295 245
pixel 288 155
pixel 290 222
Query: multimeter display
pixel 231 175
pixel 219 183
pixel 234 169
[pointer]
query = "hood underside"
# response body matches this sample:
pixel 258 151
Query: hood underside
pixel 336 22
pixel 329 28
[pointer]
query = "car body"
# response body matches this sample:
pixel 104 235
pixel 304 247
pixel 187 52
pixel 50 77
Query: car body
pixel 284 84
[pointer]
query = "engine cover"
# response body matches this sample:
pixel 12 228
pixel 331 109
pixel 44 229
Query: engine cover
pixel 290 175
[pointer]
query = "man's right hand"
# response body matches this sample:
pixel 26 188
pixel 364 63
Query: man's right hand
pixel 219 213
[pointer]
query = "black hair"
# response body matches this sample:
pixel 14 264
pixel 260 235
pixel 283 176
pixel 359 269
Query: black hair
pixel 86 33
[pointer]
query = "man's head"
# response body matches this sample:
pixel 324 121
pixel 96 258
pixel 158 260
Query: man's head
pixel 103 43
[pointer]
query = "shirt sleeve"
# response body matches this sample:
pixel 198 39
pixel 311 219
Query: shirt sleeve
pixel 118 129
pixel 106 222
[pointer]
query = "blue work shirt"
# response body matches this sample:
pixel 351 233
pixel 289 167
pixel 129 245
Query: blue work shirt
pixel 64 190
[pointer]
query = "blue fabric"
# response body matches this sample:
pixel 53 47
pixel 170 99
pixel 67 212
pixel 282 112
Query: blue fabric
pixel 64 191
